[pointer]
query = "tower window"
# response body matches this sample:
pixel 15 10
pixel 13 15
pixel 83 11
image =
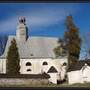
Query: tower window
pixel 28 64
pixel 28 69
pixel 45 63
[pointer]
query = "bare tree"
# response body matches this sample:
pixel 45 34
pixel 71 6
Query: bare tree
pixel 86 45
pixel 3 41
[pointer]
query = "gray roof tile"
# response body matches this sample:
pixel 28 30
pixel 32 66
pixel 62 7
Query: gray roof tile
pixel 34 47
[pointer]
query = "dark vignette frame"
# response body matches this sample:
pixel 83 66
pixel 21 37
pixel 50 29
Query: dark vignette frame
pixel 44 1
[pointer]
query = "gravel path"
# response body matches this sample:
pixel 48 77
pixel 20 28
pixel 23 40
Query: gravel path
pixel 14 81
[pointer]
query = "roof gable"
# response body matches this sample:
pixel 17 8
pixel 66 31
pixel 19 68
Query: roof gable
pixel 52 70
pixel 86 66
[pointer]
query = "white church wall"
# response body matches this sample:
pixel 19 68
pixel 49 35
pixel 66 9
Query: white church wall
pixel 63 72
pixel 2 65
pixel 53 77
pixel 59 62
pixel 86 74
pixel 50 62
pixel 74 77
pixel 37 66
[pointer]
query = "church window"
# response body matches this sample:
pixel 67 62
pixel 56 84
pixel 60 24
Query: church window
pixel 28 64
pixel 28 69
pixel 64 64
pixel 45 63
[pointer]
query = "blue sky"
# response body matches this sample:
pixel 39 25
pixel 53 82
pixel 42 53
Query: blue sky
pixel 44 19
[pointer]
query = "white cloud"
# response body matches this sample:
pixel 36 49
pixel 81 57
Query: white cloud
pixel 39 18
pixel 43 21
pixel 9 24
pixel 47 17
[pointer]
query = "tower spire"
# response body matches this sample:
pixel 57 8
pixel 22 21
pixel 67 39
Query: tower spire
pixel 22 20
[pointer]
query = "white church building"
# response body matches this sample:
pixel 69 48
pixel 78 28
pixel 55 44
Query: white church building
pixel 36 54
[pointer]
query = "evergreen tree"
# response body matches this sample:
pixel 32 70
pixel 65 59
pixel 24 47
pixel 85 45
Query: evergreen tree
pixel 13 59
pixel 73 41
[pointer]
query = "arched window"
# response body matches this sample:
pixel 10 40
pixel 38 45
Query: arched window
pixel 28 64
pixel 64 64
pixel 28 69
pixel 45 63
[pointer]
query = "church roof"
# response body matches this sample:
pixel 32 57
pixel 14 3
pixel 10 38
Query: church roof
pixel 79 65
pixel 34 47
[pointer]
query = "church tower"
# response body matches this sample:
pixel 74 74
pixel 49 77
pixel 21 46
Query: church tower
pixel 22 32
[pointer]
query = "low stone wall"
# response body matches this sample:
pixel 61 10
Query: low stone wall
pixel 22 81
